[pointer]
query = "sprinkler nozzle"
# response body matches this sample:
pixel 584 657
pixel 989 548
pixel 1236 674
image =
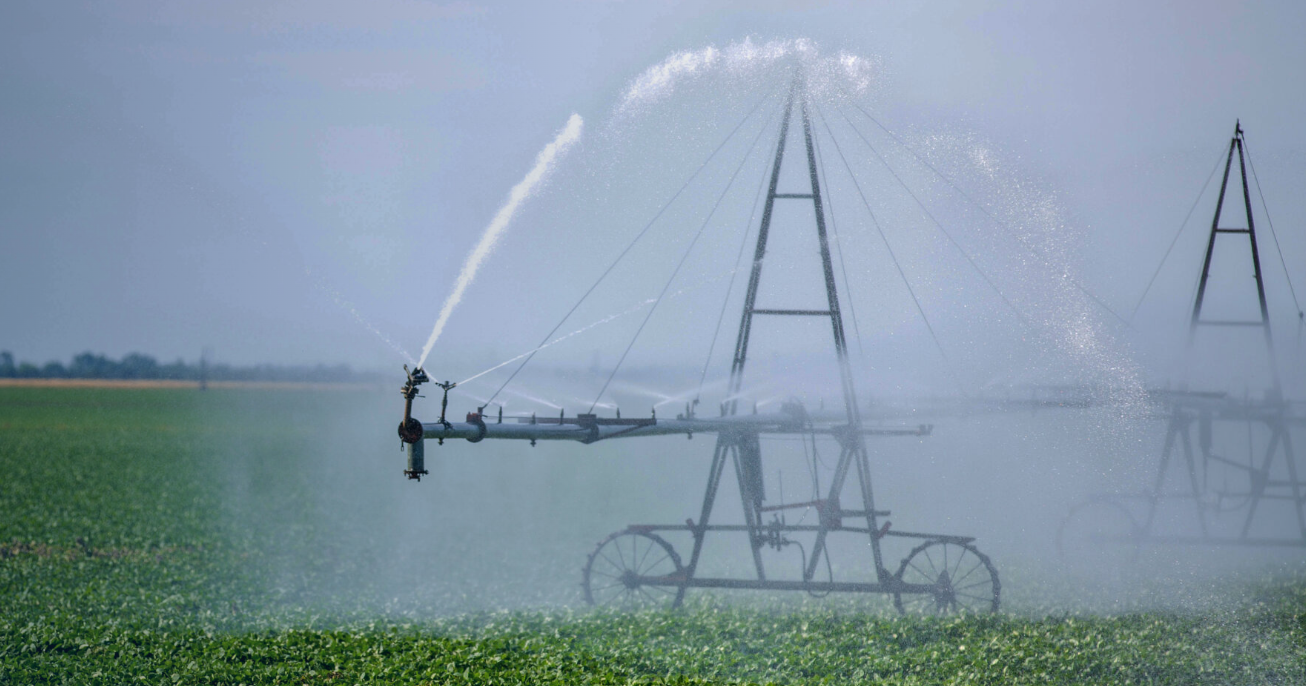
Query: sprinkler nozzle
pixel 416 377
pixel 410 430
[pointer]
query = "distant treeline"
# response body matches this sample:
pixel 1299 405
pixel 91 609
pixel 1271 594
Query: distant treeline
pixel 137 366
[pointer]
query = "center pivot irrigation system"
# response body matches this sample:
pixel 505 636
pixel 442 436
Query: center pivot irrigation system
pixel 940 573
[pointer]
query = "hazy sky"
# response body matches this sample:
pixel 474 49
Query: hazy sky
pixel 241 175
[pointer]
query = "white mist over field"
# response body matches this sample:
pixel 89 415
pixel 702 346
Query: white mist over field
pixel 555 210
pixel 994 281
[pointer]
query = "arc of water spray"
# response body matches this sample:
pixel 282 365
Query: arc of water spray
pixel 523 190
pixel 560 339
pixel 631 310
pixel 641 390
pixel 534 399
pixel 692 393
pixel 484 402
pixel 349 307
pixel 663 398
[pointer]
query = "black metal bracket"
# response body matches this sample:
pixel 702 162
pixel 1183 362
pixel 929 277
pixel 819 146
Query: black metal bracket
pixel 444 402
pixel 410 430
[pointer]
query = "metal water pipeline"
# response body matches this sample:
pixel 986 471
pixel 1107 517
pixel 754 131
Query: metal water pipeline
pixel 590 431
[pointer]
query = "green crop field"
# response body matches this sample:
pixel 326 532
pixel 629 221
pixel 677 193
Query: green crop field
pixel 229 537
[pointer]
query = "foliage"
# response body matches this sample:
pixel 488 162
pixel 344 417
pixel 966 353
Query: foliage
pixel 90 365
pixel 118 565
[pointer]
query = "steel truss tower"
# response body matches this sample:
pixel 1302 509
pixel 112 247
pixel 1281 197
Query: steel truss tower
pixel 743 449
pixel 1207 411
pixel 1250 232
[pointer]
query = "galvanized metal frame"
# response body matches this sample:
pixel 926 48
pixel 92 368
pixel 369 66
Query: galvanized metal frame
pixel 1216 230
pixel 742 448
pixel 1204 413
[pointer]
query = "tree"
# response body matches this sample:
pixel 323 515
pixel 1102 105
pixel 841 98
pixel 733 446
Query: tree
pixel 138 366
pixel 91 366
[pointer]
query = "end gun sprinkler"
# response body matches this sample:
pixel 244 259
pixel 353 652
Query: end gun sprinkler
pixel 410 430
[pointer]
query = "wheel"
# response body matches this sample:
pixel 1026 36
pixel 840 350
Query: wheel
pixel 1098 533
pixel 1098 543
pixel 613 572
pixel 961 580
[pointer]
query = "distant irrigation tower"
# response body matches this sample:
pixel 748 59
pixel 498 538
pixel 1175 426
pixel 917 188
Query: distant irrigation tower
pixel 1225 479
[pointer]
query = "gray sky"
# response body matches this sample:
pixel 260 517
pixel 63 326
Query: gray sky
pixel 241 175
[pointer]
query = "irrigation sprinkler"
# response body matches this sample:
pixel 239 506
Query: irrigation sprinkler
pixel 638 565
pixel 410 430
